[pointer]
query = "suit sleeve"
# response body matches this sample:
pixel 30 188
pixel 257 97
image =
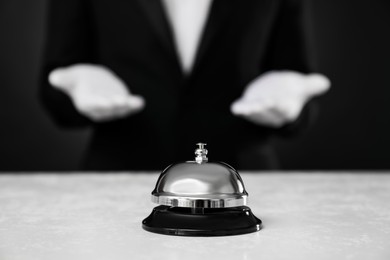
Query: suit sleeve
pixel 291 49
pixel 69 40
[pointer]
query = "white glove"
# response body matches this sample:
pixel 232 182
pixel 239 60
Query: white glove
pixel 278 97
pixel 96 92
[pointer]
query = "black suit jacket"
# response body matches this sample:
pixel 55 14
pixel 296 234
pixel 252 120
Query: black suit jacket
pixel 242 39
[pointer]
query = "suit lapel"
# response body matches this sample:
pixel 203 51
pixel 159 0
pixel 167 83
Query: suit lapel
pixel 218 14
pixel 220 10
pixel 155 13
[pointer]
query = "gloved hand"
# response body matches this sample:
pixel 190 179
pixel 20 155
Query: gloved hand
pixel 278 97
pixel 96 92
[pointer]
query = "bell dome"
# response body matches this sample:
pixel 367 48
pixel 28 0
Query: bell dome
pixel 200 184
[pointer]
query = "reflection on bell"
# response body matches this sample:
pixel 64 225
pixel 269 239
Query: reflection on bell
pixel 200 198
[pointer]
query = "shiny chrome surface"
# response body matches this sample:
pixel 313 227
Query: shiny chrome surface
pixel 205 185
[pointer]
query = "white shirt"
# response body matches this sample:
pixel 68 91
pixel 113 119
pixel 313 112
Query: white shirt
pixel 188 19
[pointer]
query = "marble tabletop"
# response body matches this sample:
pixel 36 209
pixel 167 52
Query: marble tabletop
pixel 98 216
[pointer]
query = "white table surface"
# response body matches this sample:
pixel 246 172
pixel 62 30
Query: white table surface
pixel 98 216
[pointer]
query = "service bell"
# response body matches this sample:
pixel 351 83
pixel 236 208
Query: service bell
pixel 201 198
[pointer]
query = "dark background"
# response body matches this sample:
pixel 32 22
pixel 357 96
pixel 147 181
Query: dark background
pixel 352 41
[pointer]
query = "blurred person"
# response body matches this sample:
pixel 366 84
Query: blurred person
pixel 155 77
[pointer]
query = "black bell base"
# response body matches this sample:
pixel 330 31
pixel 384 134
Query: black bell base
pixel 201 221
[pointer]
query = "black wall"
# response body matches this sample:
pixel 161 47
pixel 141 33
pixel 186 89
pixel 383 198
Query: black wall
pixel 353 128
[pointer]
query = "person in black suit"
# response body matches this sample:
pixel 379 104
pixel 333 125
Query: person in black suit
pixel 114 66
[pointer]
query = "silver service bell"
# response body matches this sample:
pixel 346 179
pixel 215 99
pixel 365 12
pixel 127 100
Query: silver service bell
pixel 201 198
